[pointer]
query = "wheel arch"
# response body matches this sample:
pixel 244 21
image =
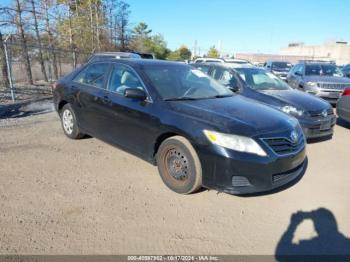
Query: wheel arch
pixel 61 104
pixel 162 137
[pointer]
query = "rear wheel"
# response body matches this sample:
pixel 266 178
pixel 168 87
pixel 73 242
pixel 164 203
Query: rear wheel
pixel 69 122
pixel 179 165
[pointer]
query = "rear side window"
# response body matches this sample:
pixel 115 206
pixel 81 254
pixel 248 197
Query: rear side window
pixel 93 75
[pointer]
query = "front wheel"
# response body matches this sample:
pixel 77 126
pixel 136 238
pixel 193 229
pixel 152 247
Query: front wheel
pixel 69 122
pixel 179 165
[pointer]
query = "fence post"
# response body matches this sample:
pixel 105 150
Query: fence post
pixel 8 64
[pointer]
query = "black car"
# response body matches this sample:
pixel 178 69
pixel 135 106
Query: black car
pixel 278 68
pixel 314 114
pixel 197 131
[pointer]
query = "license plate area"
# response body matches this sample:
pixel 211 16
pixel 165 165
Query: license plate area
pixel 334 95
pixel 326 125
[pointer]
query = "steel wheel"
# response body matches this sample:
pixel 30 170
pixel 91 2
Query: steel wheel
pixel 179 166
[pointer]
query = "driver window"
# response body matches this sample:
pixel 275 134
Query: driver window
pixel 122 78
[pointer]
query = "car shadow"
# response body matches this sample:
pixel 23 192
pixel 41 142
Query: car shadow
pixel 281 188
pixel 343 123
pixel 29 108
pixel 329 241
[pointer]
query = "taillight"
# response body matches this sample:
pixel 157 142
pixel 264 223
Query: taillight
pixel 346 92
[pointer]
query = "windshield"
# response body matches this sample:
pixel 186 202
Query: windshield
pixel 181 82
pixel 322 70
pixel 281 65
pixel 259 79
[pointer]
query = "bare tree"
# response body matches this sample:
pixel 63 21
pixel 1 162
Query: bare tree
pixel 38 37
pixel 20 28
pixel 122 22
pixel 52 53
pixel 5 78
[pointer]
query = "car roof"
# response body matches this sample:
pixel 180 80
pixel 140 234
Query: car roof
pixel 278 61
pixel 228 65
pixel 141 62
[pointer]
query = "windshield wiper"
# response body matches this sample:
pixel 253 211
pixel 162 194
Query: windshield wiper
pixel 222 96
pixel 181 98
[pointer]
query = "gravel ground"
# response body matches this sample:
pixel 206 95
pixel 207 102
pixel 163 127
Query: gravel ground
pixel 59 196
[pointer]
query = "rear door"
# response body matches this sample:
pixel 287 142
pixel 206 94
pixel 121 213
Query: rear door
pixel 91 97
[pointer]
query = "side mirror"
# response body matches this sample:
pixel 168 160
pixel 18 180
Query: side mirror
pixel 135 93
pixel 232 85
pixel 298 73
pixel 234 88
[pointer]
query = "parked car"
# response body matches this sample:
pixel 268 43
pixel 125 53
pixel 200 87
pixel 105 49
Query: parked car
pixel 343 106
pixel 324 80
pixel 197 131
pixel 145 55
pixel 314 114
pixel 222 60
pixel 346 70
pixel 278 68
pixel 105 55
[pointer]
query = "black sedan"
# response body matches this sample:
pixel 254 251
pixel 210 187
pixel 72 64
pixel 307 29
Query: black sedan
pixel 314 114
pixel 197 131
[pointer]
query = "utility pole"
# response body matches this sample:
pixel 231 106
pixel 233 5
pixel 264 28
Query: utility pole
pixel 194 54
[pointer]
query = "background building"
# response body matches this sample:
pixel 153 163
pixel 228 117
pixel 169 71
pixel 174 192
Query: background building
pixel 338 51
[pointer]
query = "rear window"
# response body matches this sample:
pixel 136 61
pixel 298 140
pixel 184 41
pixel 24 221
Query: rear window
pixel 281 65
pixel 93 75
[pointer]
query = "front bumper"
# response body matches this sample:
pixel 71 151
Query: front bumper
pixel 242 173
pixel 332 96
pixel 318 127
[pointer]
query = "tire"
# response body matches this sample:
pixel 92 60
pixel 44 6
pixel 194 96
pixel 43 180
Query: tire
pixel 179 165
pixel 69 122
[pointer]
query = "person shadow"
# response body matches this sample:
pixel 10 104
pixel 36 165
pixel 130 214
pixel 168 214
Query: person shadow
pixel 329 241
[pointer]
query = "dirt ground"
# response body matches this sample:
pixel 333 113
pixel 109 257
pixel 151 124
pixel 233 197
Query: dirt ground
pixel 59 196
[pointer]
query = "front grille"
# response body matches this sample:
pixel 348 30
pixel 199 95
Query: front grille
pixel 318 114
pixel 335 86
pixel 282 146
pixel 240 181
pixel 279 177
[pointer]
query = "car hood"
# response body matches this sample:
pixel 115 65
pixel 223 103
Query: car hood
pixel 295 98
pixel 327 79
pixel 237 114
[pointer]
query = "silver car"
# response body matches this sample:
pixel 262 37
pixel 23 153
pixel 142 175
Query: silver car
pixel 324 80
pixel 343 106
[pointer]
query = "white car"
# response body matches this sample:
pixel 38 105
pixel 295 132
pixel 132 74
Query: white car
pixel 222 60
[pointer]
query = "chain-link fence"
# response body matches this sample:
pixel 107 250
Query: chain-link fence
pixel 27 74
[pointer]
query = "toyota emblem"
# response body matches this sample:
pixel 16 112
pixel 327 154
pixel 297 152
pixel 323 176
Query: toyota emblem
pixel 294 137
pixel 324 113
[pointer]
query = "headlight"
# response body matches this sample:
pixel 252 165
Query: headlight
pixel 291 110
pixel 234 142
pixel 311 83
